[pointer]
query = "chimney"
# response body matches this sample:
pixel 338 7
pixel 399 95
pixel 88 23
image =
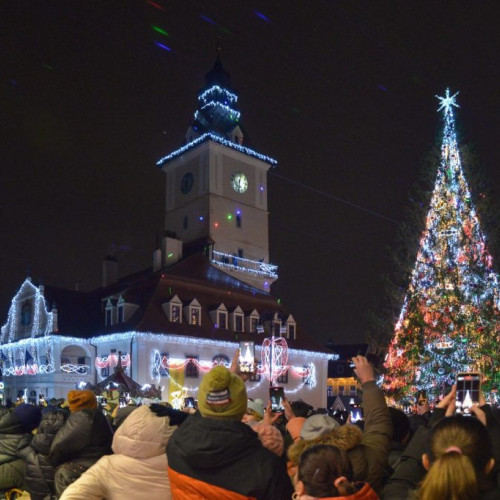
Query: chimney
pixel 109 270
pixel 171 250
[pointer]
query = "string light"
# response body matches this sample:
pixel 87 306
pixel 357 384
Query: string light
pixel 448 321
pixel 211 136
pixel 250 266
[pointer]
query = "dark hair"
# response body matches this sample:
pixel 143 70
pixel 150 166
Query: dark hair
pixel 400 424
pixel 320 465
pixel 301 408
pixel 455 474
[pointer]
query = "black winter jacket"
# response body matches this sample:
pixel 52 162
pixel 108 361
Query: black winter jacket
pixel 85 437
pixel 213 459
pixel 40 470
pixel 13 437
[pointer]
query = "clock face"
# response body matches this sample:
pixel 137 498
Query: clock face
pixel 187 182
pixel 239 182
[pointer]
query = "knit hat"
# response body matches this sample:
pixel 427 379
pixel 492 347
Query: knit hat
pixel 81 400
pixel 316 426
pixel 222 394
pixel 256 408
pixel 270 437
pixel 29 415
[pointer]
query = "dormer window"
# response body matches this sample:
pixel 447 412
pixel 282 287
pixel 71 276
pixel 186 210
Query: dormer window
pixel 222 320
pixel 173 309
pixel 252 321
pixel 109 313
pixel 120 310
pixel 218 316
pixel 192 313
pixel 236 319
pixel 290 327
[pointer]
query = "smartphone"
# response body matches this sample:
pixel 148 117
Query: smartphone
pixel 189 403
pixel 468 390
pixel 356 414
pixel 104 401
pixel 277 397
pixel 247 356
pixel 122 402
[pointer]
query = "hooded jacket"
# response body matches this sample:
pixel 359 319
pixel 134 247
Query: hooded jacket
pixel 85 437
pixel 367 450
pixel 221 460
pixel 13 437
pixel 39 469
pixel 137 470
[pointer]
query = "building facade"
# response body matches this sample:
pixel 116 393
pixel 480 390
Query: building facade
pixel 207 290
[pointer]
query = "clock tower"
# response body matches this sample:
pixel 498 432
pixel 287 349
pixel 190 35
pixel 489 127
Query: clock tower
pixel 216 187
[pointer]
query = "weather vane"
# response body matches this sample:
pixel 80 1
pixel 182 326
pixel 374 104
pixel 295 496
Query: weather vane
pixel 448 101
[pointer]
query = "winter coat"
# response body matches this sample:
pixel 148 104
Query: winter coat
pixel 85 437
pixel 137 470
pixel 223 460
pixel 40 470
pixel 368 449
pixel 404 482
pixel 364 493
pixel 14 437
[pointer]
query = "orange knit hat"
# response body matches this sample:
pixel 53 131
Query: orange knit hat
pixel 81 400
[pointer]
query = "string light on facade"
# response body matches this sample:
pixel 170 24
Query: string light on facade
pixel 220 140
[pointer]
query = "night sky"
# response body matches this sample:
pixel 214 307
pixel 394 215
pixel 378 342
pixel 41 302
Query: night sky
pixel 341 93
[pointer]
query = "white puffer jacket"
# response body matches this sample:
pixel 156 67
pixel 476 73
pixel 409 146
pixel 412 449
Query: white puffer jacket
pixel 138 468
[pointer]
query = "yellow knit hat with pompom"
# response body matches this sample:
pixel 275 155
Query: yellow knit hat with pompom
pixel 222 394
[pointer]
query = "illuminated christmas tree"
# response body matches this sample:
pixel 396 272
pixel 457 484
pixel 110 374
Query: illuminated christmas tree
pixel 449 321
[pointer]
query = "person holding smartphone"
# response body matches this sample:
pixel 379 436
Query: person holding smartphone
pixel 468 446
pixel 367 450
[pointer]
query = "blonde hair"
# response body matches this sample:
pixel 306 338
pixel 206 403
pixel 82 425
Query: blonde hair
pixel 460 449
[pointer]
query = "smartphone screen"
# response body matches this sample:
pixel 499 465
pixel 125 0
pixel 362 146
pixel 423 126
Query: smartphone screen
pixel 468 390
pixel 122 402
pixel 247 356
pixel 356 414
pixel 277 396
pixel 189 403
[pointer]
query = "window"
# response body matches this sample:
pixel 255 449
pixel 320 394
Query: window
pixel 291 331
pixel 283 378
pixel 240 253
pixel 238 323
pixel 253 324
pixel 185 222
pixel 222 320
pixel 175 313
pixel 238 220
pixel 192 367
pixel 120 314
pixel 341 390
pixel 105 372
pixel 195 316
pixel 353 390
pixel 255 377
pixel 109 316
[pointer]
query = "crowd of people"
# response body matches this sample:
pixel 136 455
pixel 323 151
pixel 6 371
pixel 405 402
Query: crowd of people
pixel 232 447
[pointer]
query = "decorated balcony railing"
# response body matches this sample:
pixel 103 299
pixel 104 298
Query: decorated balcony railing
pixel 246 265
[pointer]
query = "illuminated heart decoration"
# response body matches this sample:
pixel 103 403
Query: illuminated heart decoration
pixel 274 357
